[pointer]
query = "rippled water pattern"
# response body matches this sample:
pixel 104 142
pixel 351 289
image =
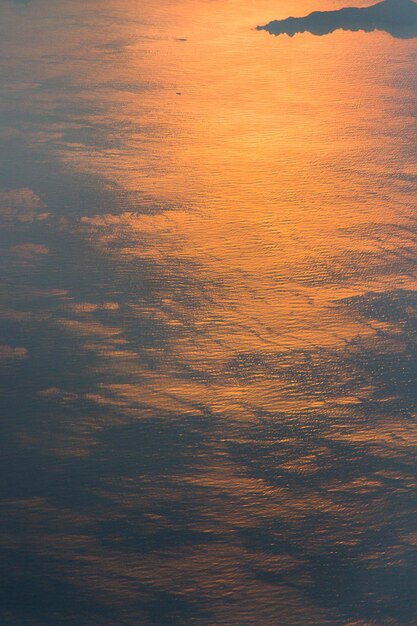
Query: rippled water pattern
pixel 209 317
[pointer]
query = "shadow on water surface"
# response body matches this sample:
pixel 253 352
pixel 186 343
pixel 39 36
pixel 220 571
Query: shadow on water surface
pixel 340 532
pixel 353 546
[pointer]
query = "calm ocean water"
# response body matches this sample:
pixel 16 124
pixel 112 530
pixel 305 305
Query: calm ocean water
pixel 208 317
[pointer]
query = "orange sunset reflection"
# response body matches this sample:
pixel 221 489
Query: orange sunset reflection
pixel 209 307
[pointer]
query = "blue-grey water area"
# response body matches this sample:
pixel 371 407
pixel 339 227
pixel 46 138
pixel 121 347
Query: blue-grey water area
pixel 208 314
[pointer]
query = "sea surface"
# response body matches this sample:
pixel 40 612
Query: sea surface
pixel 208 316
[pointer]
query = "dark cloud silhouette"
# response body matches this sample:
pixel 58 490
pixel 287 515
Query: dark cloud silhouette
pixel 396 17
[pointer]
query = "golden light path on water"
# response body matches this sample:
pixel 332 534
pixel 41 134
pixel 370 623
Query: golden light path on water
pixel 212 341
